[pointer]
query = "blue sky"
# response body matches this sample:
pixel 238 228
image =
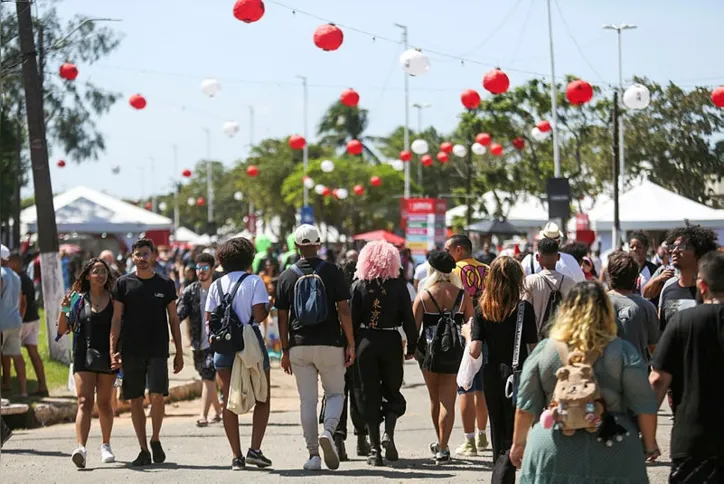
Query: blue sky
pixel 170 46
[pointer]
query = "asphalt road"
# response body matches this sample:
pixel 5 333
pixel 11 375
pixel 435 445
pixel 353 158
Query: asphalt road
pixel 197 455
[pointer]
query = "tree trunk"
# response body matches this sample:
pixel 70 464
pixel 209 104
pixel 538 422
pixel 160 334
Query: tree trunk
pixel 51 272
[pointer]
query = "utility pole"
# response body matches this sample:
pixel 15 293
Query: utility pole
pixel 209 185
pixel 153 180
pixel 177 190
pixel 407 115
pixel 52 278
pixel 469 188
pixel 554 100
pixel 305 151
pixel 252 217
pixel 251 127
pixel 616 166
pixel 420 107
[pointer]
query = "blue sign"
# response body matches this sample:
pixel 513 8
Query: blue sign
pixel 308 215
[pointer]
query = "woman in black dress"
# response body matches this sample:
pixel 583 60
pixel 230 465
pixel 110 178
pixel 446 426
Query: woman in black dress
pixel 89 319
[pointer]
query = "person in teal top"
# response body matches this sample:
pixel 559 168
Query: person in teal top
pixel 11 323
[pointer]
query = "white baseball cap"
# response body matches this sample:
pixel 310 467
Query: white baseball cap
pixel 306 235
pixel 551 231
pixel 4 252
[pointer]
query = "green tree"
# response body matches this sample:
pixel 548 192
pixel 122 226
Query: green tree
pixel 340 124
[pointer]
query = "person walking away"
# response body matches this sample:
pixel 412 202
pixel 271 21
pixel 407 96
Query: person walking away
pixel 547 288
pixel 192 305
pixel 90 321
pixel 440 308
pixel 380 306
pixel 420 274
pixel 689 360
pixel 472 401
pixel 585 331
pixel 312 301
pixel 31 324
pixel 251 306
pixel 638 246
pixel 636 318
pixel 566 265
pixel 501 315
pixel 144 306
pixel 11 324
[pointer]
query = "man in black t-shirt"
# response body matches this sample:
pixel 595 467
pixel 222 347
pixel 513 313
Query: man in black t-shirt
pixel 689 359
pixel 316 351
pixel 143 308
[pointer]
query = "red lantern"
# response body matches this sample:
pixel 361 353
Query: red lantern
pixel 61 164
pixel 137 101
pixel 483 138
pixel 443 157
pixel 717 96
pixel 358 190
pixel 200 201
pixel 328 37
pixel 149 205
pixel 470 98
pixel 375 181
pixel 405 156
pixel 579 92
pixel 68 71
pixel 349 98
pixel 326 192
pixel 248 11
pixel 543 126
pixel 519 143
pixel 496 81
pixel 354 147
pixel 446 147
pixel 496 149
pixel 186 173
pixel 297 142
pixel 252 170
pixel 426 160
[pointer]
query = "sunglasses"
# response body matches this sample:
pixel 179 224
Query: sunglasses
pixel 203 267
pixel 681 247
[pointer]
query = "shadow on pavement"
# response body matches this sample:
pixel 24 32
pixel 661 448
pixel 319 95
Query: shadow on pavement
pixel 387 473
pixel 42 453
pixel 174 466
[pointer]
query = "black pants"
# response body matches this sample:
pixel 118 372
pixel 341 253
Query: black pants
pixel 500 411
pixel 697 471
pixel 350 400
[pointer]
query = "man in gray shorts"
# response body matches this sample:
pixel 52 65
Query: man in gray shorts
pixel 10 324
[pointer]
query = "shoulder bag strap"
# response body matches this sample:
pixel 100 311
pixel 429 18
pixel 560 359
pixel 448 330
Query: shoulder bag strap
pixel 295 269
pixel 433 301
pixel 532 263
pixel 321 264
pixel 518 335
pixel 87 320
pixel 458 302
pixel 219 290
pixel 232 294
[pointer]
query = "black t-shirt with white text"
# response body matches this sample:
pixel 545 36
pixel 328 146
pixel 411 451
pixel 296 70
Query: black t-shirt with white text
pixel 691 350
pixel 675 298
pixel 145 323
pixel 329 332
pixel 500 336
pixel 28 289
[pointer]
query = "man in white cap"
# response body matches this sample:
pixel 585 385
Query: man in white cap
pixel 566 265
pixel 312 301
pixel 11 323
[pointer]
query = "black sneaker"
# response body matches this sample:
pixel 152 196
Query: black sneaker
pixel 341 449
pixel 363 447
pixel 258 459
pixel 388 443
pixel 443 457
pixel 375 458
pixel 143 459
pixel 238 464
pixel 159 456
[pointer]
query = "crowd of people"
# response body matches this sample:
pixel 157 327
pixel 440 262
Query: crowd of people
pixel 567 357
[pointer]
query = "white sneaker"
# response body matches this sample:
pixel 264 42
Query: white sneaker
pixel 313 464
pixel 107 454
pixel 79 457
pixel 331 458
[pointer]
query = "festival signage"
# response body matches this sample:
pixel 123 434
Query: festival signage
pixel 424 222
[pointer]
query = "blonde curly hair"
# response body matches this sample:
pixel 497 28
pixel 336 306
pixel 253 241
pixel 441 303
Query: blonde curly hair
pixel 585 319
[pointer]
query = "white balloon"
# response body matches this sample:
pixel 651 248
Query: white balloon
pixel 478 149
pixel 419 146
pixel 538 135
pixel 191 201
pixel 231 128
pixel 318 189
pixel 342 193
pixel 238 196
pixel 637 97
pixel 309 183
pixel 414 62
pixel 460 151
pixel 397 165
pixel 162 206
pixel 327 166
pixel 210 87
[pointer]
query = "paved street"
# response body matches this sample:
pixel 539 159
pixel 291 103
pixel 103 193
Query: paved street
pixel 202 455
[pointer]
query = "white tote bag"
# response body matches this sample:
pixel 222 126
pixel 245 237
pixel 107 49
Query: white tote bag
pixel 469 367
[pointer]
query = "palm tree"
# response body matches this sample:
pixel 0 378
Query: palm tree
pixel 341 124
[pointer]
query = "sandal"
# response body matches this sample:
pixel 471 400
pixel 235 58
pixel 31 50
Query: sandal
pixel 202 422
pixel 217 419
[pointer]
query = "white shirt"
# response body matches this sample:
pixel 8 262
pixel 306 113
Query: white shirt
pixel 566 265
pixel 252 291
pixel 421 272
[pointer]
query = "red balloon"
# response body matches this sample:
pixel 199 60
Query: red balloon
pixel 358 190
pixel 405 156
pixel 470 98
pixel 375 181
pixel 326 192
pixel 496 149
pixel 68 71
pixel 354 147
pixel 297 142
pixel 443 157
pixel 252 170
pixel 334 193
pixel 61 164
pixel 248 11
pixel 483 138
pixel 717 96
pixel 137 101
pixel 328 37
pixel 496 81
pixel 426 160
pixel 446 147
pixel 186 173
pixel 349 98
pixel 149 205
pixel 200 201
pixel 579 92
pixel 543 126
pixel 519 143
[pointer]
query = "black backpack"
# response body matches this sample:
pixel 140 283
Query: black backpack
pixel 225 335
pixel 554 300
pixel 445 348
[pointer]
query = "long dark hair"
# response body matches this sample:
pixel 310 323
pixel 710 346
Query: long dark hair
pixel 82 285
pixel 503 289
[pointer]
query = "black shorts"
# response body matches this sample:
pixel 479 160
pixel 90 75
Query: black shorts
pixel 138 371
pixel 204 364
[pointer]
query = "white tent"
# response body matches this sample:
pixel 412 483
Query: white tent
pixel 82 209
pixel 182 234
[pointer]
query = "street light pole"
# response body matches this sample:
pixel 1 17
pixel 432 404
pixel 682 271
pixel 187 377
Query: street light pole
pixel 420 107
pixel 305 150
pixel 251 127
pixel 177 190
pixel 554 100
pixel 407 114
pixel 209 184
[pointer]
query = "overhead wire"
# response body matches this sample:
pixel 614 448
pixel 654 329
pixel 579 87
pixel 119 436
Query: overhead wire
pixel 495 30
pixel 522 32
pixel 578 47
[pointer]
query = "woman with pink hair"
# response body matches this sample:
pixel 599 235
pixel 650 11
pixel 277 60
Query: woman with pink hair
pixel 380 306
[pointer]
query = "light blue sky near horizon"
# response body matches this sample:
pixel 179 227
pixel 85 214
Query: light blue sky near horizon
pixel 169 47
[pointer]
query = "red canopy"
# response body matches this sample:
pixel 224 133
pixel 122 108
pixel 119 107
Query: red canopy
pixel 381 235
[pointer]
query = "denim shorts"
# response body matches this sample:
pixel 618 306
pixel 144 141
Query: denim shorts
pixel 477 384
pixel 225 361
